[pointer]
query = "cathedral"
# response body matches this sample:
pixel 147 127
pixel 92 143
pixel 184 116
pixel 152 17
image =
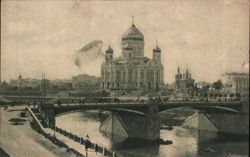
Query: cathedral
pixel 132 70
pixel 184 80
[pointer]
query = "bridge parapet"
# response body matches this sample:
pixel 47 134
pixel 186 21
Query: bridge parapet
pixel 48 113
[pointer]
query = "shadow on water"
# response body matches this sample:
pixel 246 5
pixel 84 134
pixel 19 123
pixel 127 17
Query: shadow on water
pixel 135 147
pixel 134 144
pixel 221 145
pixel 223 149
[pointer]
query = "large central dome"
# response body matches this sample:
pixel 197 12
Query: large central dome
pixel 132 34
pixel 134 40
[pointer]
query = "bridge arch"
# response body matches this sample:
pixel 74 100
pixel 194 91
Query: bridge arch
pixel 65 112
pixel 142 108
pixel 214 109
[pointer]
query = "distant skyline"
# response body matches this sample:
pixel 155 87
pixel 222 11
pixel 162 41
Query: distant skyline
pixel 208 37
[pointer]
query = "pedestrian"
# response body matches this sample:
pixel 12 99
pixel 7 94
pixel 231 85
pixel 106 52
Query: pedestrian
pixel 96 148
pixel 87 144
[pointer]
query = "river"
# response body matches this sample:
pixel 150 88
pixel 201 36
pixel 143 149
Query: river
pixel 186 143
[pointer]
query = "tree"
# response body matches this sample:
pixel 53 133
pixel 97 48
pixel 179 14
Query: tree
pixel 218 85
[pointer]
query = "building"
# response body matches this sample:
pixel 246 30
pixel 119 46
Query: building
pixel 132 70
pixel 85 82
pixel 236 83
pixel 203 84
pixel 184 81
pixel 25 83
pixel 202 88
pixel 60 84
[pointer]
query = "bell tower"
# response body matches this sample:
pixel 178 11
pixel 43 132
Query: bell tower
pixel 109 54
pixel 157 53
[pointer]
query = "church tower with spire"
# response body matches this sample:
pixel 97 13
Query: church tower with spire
pixel 157 53
pixel 109 54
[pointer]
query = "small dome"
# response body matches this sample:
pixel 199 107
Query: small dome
pixel 132 34
pixel 109 50
pixel 157 49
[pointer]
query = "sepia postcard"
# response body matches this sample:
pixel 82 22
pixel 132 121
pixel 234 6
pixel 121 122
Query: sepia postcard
pixel 126 78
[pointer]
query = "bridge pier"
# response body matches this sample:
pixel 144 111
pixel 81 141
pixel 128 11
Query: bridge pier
pixel 223 123
pixel 152 122
pixel 133 125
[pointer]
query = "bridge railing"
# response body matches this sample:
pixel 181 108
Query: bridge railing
pixel 45 118
pixel 41 128
pixel 95 147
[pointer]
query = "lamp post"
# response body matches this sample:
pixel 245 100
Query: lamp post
pixel 43 85
pixel 54 125
pixel 20 86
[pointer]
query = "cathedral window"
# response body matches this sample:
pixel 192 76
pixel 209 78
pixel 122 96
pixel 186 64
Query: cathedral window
pixel 157 76
pixel 142 75
pixel 150 75
pixel 118 76
pixel 130 76
pixel 135 76
pixel 124 75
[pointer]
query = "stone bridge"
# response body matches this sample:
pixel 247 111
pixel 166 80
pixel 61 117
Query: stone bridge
pixel 141 119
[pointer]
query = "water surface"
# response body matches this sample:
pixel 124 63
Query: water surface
pixel 186 143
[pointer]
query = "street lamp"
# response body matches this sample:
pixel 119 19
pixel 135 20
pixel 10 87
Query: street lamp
pixel 54 128
pixel 20 86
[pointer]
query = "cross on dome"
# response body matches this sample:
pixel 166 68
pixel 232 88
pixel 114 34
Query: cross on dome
pixel 109 50
pixel 157 49
pixel 133 21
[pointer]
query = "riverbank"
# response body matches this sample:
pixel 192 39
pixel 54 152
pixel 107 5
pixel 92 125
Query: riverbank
pixel 19 140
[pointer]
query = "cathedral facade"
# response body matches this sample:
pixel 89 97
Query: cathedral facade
pixel 184 80
pixel 132 70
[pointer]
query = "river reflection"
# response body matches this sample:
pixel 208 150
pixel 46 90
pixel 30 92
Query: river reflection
pixel 186 143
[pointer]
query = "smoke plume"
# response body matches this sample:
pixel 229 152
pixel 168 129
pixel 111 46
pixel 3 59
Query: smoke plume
pixel 89 58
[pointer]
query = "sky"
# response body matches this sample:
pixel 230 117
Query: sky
pixel 209 37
